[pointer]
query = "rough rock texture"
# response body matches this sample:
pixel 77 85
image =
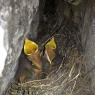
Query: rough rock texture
pixel 18 25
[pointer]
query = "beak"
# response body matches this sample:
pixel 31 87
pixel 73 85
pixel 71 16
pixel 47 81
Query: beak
pixel 32 52
pixel 30 47
pixel 50 48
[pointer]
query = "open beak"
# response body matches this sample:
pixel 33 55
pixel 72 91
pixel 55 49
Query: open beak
pixel 50 48
pixel 30 47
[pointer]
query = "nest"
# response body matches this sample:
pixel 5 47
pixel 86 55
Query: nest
pixel 66 79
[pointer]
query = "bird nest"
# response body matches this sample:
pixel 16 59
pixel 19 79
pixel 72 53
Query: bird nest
pixel 69 78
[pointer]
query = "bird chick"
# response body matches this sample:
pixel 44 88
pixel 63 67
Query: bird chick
pixel 33 54
pixel 50 48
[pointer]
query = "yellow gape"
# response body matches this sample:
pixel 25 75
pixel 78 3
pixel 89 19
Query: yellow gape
pixel 30 47
pixel 51 44
pixel 50 50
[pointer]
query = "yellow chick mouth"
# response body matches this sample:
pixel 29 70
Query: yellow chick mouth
pixel 51 44
pixel 30 47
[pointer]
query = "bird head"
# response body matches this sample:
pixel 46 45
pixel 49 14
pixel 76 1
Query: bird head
pixel 30 47
pixel 50 48
pixel 51 44
pixel 33 54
